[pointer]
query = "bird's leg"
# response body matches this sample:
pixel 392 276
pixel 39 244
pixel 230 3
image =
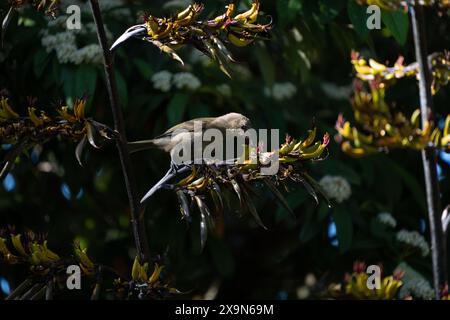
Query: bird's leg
pixel 173 171
pixel 174 167
pixel 177 167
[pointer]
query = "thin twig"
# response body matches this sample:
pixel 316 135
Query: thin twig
pixel 138 226
pixel 429 154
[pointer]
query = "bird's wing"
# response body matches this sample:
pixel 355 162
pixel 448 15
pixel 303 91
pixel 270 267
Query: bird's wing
pixel 187 126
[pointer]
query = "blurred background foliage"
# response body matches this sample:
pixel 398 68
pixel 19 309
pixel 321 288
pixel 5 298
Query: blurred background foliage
pixel 302 76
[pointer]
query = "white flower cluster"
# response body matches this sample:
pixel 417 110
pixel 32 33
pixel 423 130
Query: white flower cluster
pixel 336 187
pixel 114 8
pixel 64 41
pixel 186 80
pixel 64 44
pixel 164 80
pixel 224 89
pixel 304 291
pixel 281 91
pixel 387 219
pixel 418 288
pixel 242 72
pixel 336 92
pixel 414 239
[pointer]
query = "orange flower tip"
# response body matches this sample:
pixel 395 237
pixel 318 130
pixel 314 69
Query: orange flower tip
pixel 347 277
pixel 400 61
pixel 359 266
pixel 357 85
pixel 340 121
pixel 354 55
pixel 326 139
pixel 398 274
pixel 338 139
pixel 288 138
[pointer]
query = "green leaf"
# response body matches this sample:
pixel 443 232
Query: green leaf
pixel 343 37
pixel 367 244
pixel 85 81
pixel 41 58
pixel 144 68
pixel 309 230
pixel 266 65
pixel 379 229
pixel 222 256
pixel 199 110
pixel 410 182
pixel 344 227
pixel 339 168
pixel 287 11
pixel 67 79
pixel 398 24
pixel 293 200
pixel 358 17
pixel 329 9
pixel 122 89
pixel 176 108
pixel 323 211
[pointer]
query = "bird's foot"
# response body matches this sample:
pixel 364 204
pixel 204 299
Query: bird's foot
pixel 177 167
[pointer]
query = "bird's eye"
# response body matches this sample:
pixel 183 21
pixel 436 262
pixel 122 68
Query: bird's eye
pixel 244 127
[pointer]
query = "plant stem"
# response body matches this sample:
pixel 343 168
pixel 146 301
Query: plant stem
pixel 429 154
pixel 138 226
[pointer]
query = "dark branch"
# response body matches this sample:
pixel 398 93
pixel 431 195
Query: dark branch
pixel 429 154
pixel 139 231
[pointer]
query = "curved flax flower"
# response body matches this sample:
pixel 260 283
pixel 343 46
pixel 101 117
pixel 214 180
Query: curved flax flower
pixel 48 6
pixel 47 271
pixel 379 126
pixel 356 284
pixel 25 132
pixel 143 285
pixel 374 71
pixel 210 36
pixel 46 268
pixel 206 184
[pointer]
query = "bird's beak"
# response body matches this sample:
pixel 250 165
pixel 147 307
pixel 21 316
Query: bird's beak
pixel 138 31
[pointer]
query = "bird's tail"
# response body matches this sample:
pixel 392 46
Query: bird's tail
pixel 141 145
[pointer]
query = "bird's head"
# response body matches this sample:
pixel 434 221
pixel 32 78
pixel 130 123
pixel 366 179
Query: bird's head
pixel 235 121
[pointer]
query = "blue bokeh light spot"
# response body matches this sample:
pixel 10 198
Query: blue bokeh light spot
pixel 445 157
pixel 80 194
pixel 65 190
pixel 35 155
pixel 332 233
pixel 422 225
pixel 440 172
pixel 6 146
pixel 441 123
pixel 5 287
pixel 9 183
pixel 282 295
